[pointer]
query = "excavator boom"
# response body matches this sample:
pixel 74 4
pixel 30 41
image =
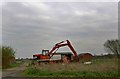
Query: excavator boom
pixel 61 44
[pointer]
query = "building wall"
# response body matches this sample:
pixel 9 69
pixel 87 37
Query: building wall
pixel 85 56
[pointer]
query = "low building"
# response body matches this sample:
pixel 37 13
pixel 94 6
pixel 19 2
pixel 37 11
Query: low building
pixel 85 56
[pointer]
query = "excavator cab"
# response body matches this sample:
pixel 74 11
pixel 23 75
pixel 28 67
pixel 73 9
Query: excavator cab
pixel 42 56
pixel 45 52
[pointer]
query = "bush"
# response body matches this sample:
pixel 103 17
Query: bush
pixel 8 56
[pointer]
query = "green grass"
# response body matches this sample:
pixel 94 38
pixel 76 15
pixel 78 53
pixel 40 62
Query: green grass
pixel 99 68
pixel 33 72
pixel 14 65
pixel 0 68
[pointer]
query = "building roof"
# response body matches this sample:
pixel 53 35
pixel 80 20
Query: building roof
pixel 84 54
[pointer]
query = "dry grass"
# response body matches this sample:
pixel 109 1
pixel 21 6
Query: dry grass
pixel 97 65
pixel 98 68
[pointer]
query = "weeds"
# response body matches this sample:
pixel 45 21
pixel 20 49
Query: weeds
pixel 98 68
pixel 32 72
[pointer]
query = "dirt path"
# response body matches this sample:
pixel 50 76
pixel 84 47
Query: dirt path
pixel 14 72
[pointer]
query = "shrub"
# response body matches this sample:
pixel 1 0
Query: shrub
pixel 8 56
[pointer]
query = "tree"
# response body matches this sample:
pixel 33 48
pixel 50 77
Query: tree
pixel 113 46
pixel 7 54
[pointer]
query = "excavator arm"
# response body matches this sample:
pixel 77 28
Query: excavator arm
pixel 71 47
pixel 61 44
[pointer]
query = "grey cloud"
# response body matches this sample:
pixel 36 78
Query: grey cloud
pixel 29 28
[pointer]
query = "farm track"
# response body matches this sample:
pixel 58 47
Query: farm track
pixel 14 72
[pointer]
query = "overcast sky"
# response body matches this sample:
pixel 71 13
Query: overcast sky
pixel 29 27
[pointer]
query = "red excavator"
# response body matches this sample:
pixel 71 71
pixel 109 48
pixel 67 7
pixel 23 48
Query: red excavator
pixel 46 55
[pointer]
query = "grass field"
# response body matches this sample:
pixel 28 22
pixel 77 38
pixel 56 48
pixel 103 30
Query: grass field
pixel 99 68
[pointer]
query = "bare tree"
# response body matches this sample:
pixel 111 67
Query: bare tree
pixel 113 46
